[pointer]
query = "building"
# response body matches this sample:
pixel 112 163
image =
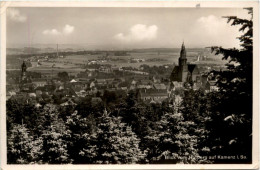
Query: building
pixel 154 95
pixel 211 86
pixel 39 82
pixel 23 71
pixel 159 86
pixel 185 72
pixel 25 82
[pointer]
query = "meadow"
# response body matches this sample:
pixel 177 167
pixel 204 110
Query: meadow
pixel 75 63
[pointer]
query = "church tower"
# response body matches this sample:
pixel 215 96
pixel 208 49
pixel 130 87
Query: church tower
pixel 183 66
pixel 180 73
pixel 182 58
pixel 185 72
pixel 23 71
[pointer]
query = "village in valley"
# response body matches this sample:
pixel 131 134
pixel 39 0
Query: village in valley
pixel 95 77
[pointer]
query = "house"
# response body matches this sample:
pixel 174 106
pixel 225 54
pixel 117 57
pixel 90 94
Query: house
pixel 28 87
pixel 39 82
pixel 133 85
pixel 153 95
pixel 111 81
pixel 101 82
pixel 92 62
pixel 145 84
pixel 156 79
pixel 10 94
pixel 77 86
pixel 73 81
pixel 105 69
pixel 211 86
pixel 175 85
pixel 115 68
pixel 159 86
pixel 197 86
pixel 47 89
pixel 123 85
pixel 65 91
pixel 81 93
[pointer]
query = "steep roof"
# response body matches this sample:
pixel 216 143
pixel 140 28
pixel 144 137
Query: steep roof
pixel 191 67
pixel 153 92
pixel 145 82
pixel 159 86
pixel 183 52
pixel 175 69
pixel 212 83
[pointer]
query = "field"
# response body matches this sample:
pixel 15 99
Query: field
pixel 76 63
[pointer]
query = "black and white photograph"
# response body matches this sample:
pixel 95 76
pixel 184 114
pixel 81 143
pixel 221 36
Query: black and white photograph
pixel 106 85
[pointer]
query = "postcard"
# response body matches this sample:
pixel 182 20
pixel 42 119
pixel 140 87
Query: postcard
pixel 129 85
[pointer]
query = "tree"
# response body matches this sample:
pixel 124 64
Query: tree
pixel 54 138
pixel 114 143
pixel 173 141
pixel 20 110
pixel 79 127
pixel 231 125
pixel 196 106
pixel 21 147
pixel 64 76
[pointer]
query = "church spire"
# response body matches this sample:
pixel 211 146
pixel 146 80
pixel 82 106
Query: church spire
pixel 23 72
pixel 183 51
pixel 24 67
pixel 183 59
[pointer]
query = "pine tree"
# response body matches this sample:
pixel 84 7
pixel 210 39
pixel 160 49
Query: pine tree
pixel 231 125
pixel 21 147
pixel 172 140
pixel 196 106
pixel 114 143
pixel 79 129
pixel 54 138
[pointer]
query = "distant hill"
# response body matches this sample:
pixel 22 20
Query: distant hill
pixel 48 46
pixel 166 49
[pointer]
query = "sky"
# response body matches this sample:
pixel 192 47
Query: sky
pixel 123 28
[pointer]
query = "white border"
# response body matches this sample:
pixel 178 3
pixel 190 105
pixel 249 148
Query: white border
pixel 191 4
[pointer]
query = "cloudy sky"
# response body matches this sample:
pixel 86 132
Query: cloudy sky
pixel 98 28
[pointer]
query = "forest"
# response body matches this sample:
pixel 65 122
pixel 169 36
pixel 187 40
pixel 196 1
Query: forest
pixel 202 128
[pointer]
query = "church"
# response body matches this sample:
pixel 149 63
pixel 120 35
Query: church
pixel 185 72
pixel 25 82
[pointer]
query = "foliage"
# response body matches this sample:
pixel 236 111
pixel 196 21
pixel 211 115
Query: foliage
pixel 22 148
pixel 54 138
pixel 114 143
pixel 173 141
pixel 231 121
pixel 78 128
pixel 21 110
pixel 64 76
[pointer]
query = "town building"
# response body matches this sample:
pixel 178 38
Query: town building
pixel 25 82
pixel 153 95
pixel 185 72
